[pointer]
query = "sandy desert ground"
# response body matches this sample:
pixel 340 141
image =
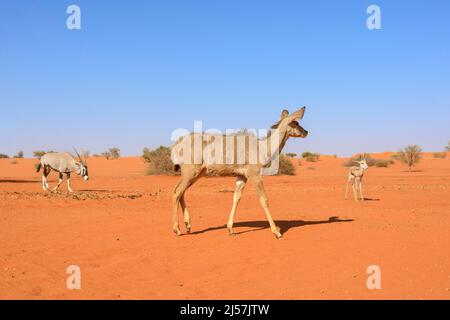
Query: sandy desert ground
pixel 117 228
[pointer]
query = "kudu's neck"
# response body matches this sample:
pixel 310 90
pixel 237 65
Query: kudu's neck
pixel 275 143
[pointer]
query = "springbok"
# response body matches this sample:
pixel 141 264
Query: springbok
pixel 63 163
pixel 244 170
pixel 355 176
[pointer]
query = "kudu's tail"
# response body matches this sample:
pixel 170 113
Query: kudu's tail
pixel 38 166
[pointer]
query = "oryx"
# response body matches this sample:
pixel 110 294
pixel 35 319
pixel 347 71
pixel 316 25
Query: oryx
pixel 63 163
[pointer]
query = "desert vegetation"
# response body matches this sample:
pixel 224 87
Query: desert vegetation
pixel 410 155
pixel 38 154
pixel 285 166
pixel 19 155
pixel 291 155
pixel 4 156
pixel 440 155
pixel 371 162
pixel 310 156
pixel 112 154
pixel 159 160
pixel 447 147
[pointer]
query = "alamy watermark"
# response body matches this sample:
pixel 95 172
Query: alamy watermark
pixel 233 147
pixel 374 20
pixel 73 281
pixel 73 21
pixel 374 279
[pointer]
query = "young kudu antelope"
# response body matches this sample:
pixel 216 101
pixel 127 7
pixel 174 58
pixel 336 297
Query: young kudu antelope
pixel 285 128
pixel 355 176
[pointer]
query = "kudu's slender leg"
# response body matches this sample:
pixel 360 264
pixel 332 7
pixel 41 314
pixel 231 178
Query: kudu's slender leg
pixel 259 188
pixel 68 182
pixel 240 184
pixel 188 178
pixel 187 218
pixel 59 182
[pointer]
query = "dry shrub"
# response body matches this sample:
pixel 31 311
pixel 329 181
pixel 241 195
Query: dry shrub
pixel 291 155
pixel 38 154
pixel 371 162
pixel 286 167
pixel 4 156
pixel 440 155
pixel 310 156
pixel 160 161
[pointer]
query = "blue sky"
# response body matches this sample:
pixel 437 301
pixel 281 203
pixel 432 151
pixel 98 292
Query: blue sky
pixel 137 70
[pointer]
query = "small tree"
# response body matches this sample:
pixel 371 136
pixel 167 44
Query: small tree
pixel 112 154
pixel 410 155
pixel 19 155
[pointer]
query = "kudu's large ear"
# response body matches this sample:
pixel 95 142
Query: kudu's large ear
pixel 297 115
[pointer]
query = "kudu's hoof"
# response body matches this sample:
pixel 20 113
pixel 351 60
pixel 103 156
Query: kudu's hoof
pixel 278 234
pixel 177 232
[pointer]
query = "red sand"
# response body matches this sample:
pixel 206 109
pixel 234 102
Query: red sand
pixel 117 228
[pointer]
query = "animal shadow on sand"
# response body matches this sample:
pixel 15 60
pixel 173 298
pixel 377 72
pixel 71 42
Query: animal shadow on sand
pixel 371 199
pixel 17 181
pixel 284 225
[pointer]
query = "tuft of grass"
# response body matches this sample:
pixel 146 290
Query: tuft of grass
pixel 160 161
pixel 286 167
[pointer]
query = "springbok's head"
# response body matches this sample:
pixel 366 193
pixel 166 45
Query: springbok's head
pixel 362 163
pixel 82 166
pixel 289 123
